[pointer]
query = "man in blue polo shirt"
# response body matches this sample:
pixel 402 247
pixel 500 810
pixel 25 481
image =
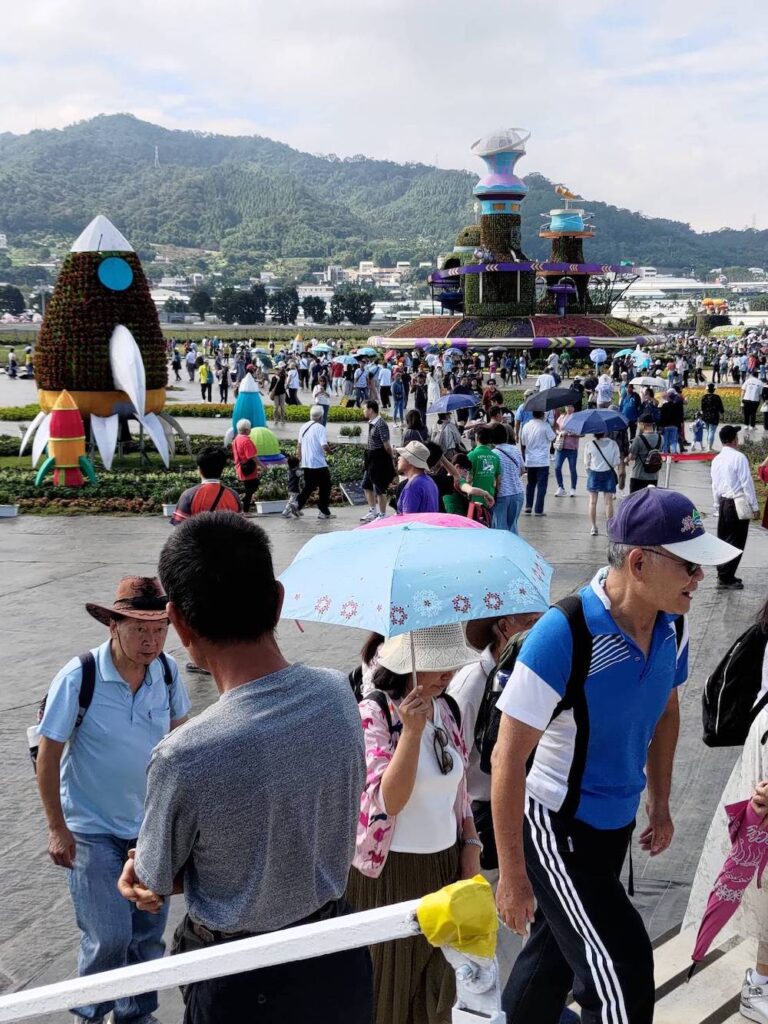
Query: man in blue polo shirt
pixel 600 717
pixel 91 771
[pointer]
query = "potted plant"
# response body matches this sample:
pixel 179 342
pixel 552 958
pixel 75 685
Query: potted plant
pixel 170 497
pixel 271 498
pixel 8 508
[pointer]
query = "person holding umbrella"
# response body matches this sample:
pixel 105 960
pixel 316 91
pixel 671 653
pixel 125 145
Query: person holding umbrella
pixel 601 459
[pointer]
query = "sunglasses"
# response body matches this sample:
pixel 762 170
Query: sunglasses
pixel 442 753
pixel 690 567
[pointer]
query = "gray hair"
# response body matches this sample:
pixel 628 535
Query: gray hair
pixel 316 412
pixel 617 554
pixel 243 425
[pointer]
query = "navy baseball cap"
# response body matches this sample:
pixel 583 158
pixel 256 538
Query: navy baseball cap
pixel 653 518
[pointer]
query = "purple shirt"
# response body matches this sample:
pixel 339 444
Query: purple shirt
pixel 419 495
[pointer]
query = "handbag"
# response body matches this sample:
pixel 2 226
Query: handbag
pixel 742 505
pixel 615 474
pixel 559 441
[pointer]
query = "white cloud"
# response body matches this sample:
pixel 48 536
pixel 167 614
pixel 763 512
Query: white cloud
pixel 655 108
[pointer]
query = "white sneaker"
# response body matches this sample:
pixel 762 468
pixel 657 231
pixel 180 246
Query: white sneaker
pixel 369 516
pixel 380 515
pixel 572 492
pixel 754 1000
pixel 593 531
pixel 560 492
pixel 323 515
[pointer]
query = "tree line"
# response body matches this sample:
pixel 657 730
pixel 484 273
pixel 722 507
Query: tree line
pixel 256 304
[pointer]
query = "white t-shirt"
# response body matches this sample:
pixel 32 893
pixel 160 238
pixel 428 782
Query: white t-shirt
pixel 293 380
pixel 427 823
pixel 536 437
pixel 545 381
pixel 320 396
pixel 604 389
pixel 312 438
pixel 606 458
pixel 385 377
pixel 752 389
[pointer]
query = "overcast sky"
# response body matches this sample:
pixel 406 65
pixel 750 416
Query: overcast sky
pixel 661 108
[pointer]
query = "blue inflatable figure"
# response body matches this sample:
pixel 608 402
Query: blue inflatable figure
pixel 249 405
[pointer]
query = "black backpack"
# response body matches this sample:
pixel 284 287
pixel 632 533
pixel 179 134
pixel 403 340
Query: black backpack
pixel 356 682
pixel 87 687
pixel 730 692
pixel 652 461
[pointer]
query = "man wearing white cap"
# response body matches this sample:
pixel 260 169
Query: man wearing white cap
pixel 608 668
pixel 420 493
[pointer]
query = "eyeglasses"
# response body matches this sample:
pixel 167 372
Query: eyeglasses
pixel 690 567
pixel 442 753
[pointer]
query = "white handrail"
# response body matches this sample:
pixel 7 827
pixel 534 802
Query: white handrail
pixel 317 939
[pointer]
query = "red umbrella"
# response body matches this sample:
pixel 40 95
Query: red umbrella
pixel 749 855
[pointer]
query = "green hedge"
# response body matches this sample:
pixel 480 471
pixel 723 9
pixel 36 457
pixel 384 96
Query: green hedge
pixel 136 490
pixel 203 410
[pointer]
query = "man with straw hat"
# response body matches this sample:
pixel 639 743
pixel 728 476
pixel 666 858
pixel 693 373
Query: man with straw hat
pixel 104 714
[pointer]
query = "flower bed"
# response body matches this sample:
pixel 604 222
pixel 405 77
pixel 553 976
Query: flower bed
pixel 294 413
pixel 570 327
pixel 425 327
pixel 622 328
pixel 483 327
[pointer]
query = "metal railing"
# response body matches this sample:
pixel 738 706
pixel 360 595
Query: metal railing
pixel 477 987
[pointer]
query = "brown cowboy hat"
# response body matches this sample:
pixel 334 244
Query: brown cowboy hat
pixel 137 597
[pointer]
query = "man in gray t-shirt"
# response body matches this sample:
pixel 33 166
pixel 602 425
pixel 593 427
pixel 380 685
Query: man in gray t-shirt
pixel 647 440
pixel 252 808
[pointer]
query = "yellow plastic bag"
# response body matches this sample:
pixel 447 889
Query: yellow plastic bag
pixel 462 915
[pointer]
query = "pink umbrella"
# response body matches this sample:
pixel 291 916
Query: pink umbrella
pixel 423 519
pixel 749 854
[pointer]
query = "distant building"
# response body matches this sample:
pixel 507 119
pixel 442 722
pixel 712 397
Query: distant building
pixel 3 241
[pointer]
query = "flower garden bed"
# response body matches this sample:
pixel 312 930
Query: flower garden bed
pixel 294 413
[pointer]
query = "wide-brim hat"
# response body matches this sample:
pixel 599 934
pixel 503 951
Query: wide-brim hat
pixel 436 649
pixel 136 597
pixel 416 453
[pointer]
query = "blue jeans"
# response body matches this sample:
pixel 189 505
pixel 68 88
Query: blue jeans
pixel 506 512
pixel 711 429
pixel 538 478
pixel 398 411
pixel 566 455
pixel 113 932
pixel 326 409
pixel 670 440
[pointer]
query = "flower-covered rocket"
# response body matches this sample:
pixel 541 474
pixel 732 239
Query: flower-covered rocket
pixel 101 341
pixel 66 446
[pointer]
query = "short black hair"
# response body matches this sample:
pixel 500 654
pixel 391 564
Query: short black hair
pixel 208 589
pixel 372 405
pixel 413 419
pixel 293 462
pixel 391 682
pixel 485 435
pixel 435 454
pixel 211 461
pixel 500 435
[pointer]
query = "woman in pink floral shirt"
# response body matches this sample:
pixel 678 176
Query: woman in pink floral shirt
pixel 416 832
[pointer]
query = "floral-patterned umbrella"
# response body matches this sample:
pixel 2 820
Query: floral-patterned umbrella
pixel 412 577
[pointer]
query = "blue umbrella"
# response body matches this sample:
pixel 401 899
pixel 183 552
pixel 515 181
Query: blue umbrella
pixel 595 421
pixel 346 360
pixel 322 347
pixel 625 352
pixel 368 351
pixel 598 356
pixel 449 403
pixel 490 573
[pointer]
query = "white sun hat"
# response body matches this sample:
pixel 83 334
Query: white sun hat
pixel 436 649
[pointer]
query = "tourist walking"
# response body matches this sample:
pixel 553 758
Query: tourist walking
pixel 414 428
pixel 312 447
pixel 247 466
pixel 447 434
pixel 176 364
pixel 278 391
pixel 379 464
pixel 399 396
pixel 247 867
pixel 601 461
pixel 510 490
pixel 416 832
pixel 91 773
pixel 385 385
pixel 733 491
pixel 645 455
pixel 535 439
pixel 292 385
pixel 752 393
pixel 190 361
pixel 321 396
pixel 712 410
pixel 486 474
pixel 563 826
pixel 604 391
pixel 566 450
pixel 671 416
pixel 420 493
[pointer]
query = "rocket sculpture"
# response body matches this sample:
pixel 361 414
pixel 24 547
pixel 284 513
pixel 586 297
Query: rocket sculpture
pixel 66 446
pixel 101 341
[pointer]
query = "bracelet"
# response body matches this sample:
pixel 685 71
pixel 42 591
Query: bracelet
pixel 473 842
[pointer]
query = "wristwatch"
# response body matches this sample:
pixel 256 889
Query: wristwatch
pixel 473 842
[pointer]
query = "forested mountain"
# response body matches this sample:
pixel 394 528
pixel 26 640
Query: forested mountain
pixel 253 197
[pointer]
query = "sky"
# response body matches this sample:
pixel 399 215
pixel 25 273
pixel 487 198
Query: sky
pixel 659 106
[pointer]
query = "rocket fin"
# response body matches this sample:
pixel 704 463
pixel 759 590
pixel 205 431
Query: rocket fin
pixel 47 466
pixel 30 431
pixel 41 438
pixel 128 367
pixel 87 469
pixel 154 428
pixel 104 430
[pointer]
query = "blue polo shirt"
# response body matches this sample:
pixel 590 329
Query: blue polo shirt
pixel 104 767
pixel 626 694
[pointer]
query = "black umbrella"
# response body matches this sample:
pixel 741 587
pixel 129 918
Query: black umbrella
pixel 552 398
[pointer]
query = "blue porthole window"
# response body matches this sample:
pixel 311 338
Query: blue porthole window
pixel 115 273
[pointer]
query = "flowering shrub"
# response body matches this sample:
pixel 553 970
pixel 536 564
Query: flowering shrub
pixel 425 327
pixel 483 327
pixel 570 327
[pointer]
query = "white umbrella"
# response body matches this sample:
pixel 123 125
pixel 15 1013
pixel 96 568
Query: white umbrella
pixel 650 382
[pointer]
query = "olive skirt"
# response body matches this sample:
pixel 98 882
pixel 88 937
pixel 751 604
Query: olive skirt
pixel 412 981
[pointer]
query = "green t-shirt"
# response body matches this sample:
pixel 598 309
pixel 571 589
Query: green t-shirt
pixel 486 466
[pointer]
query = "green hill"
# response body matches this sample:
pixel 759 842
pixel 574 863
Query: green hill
pixel 256 198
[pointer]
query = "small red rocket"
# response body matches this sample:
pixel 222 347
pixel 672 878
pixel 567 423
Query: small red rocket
pixel 66 446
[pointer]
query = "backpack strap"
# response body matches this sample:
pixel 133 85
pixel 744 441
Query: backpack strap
pixel 167 673
pixel 218 498
pixel 453 707
pixel 380 698
pixel 87 686
pixel 575 697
